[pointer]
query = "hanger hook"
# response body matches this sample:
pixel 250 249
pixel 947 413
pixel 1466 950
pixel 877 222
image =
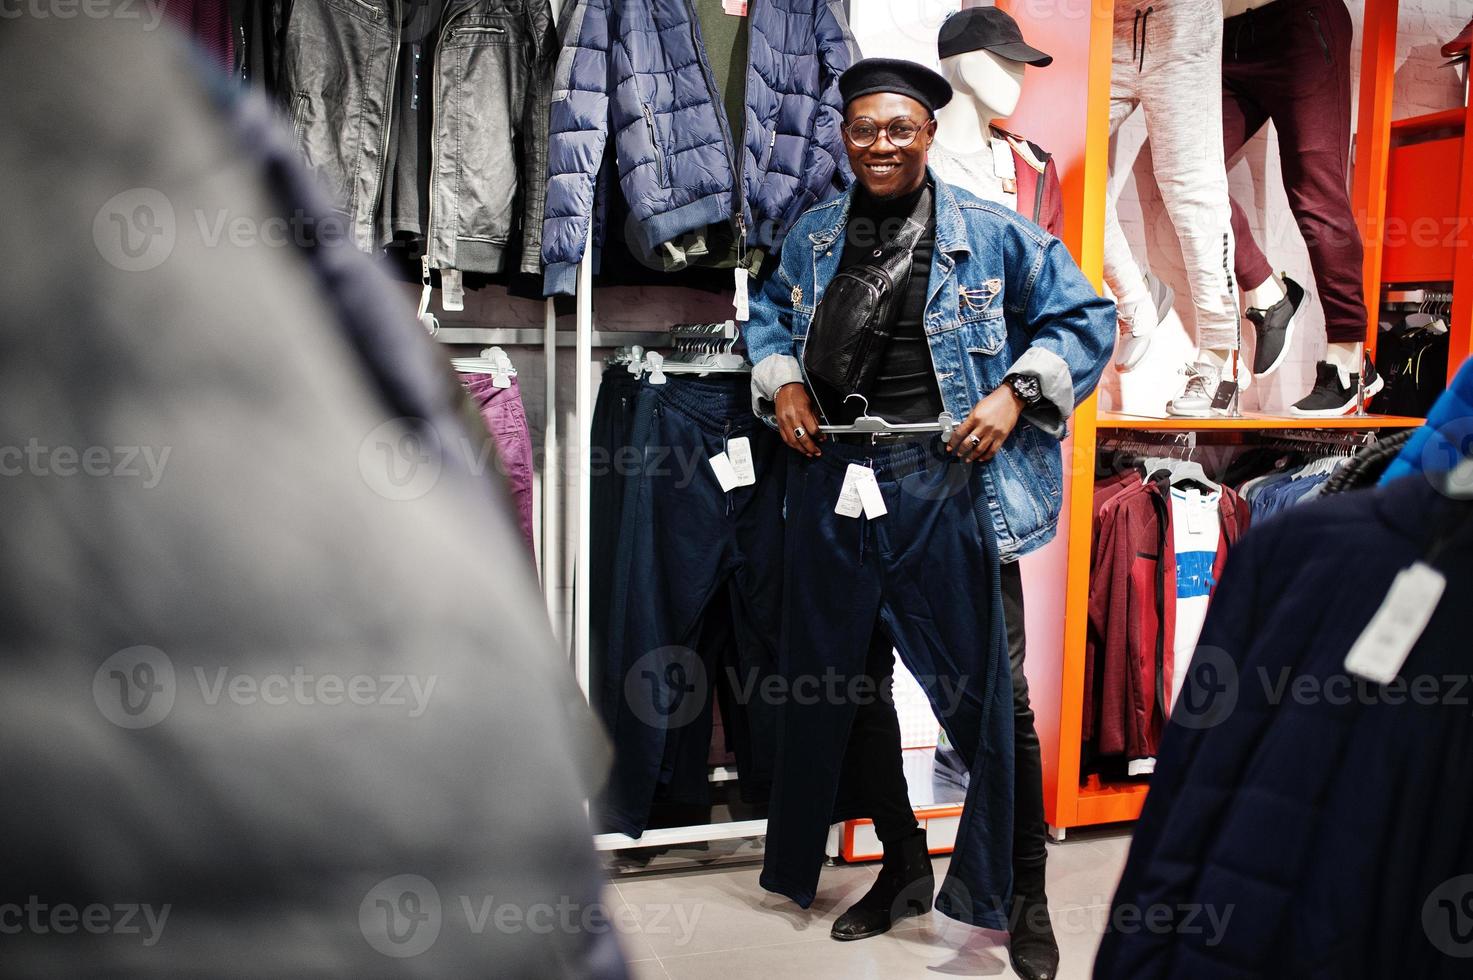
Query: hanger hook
pixel 864 412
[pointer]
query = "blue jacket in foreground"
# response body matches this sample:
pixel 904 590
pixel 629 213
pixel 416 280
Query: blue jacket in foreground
pixel 1005 297
pixel 1447 437
pixel 636 70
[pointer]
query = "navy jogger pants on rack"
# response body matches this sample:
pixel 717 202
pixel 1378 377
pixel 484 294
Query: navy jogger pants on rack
pixel 681 540
pixel 928 572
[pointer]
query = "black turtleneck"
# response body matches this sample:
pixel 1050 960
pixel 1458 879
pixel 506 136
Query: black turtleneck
pixel 905 389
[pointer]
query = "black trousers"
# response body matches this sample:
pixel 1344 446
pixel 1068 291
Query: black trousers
pixel 873 758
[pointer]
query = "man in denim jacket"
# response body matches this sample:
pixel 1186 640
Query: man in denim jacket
pixel 1001 330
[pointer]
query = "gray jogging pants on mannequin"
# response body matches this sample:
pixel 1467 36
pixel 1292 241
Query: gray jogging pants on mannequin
pixel 1168 60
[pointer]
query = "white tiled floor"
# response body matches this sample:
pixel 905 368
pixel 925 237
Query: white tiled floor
pixel 721 924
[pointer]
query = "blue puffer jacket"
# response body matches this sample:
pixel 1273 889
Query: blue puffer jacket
pixel 636 68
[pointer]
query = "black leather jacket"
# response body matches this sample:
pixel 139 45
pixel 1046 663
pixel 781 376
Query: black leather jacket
pixel 493 74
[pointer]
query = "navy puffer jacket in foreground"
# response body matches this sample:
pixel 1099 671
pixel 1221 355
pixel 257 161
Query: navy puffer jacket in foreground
pixel 635 68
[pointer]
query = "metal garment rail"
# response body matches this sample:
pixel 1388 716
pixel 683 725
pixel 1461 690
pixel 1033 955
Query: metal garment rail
pixel 583 412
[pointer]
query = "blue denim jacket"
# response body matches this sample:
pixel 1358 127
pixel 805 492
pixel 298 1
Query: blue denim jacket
pixel 1005 298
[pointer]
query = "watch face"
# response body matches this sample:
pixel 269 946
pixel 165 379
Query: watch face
pixel 1027 388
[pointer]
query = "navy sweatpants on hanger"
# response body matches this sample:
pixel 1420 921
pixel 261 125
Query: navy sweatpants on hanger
pixel 681 539
pixel 928 572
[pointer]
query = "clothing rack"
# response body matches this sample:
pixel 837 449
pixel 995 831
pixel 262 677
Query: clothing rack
pixel 682 337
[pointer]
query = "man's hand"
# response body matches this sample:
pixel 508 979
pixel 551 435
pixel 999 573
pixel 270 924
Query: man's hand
pixel 982 433
pixel 795 412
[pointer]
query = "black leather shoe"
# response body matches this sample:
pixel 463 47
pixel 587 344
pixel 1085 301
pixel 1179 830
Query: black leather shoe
pixel 906 886
pixel 1033 950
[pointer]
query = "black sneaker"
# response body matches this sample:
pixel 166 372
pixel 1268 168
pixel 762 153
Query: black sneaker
pixel 1330 398
pixel 1275 328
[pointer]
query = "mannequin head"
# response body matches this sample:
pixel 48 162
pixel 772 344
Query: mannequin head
pixel 994 82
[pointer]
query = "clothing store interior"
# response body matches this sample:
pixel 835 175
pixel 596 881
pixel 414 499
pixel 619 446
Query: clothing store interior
pixel 674 489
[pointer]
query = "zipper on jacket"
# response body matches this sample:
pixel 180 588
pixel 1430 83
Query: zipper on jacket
pixel 299 119
pixel 480 30
pixel 1319 32
pixel 383 154
pixel 734 155
pixel 767 157
pixel 377 13
pixel 424 264
pixel 649 120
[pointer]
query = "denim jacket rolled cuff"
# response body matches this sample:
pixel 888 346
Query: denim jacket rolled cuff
pixel 1051 414
pixel 770 374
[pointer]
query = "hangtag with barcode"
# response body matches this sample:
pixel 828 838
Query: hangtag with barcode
pixel 726 474
pixel 739 451
pixel 743 310
pixel 452 296
pixel 870 496
pixel 849 504
pixel 1194 512
pixel 1388 639
pixel 1003 166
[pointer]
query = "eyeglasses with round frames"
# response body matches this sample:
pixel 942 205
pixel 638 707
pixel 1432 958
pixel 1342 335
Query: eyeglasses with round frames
pixel 900 132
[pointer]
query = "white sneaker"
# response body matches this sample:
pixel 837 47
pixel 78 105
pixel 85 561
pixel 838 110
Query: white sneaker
pixel 1138 324
pixel 1203 380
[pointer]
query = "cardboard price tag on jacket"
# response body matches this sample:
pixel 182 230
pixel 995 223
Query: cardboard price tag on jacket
pixel 743 309
pixel 737 8
pixel 1388 639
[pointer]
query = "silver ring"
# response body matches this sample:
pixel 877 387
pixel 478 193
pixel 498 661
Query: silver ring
pixel 799 432
pixel 975 440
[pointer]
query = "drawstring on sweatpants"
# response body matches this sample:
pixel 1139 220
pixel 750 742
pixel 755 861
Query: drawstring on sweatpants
pixel 726 448
pixel 864 519
pixel 1138 36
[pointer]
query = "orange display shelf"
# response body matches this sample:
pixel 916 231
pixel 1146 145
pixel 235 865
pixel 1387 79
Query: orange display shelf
pixel 1252 422
pixel 1101 802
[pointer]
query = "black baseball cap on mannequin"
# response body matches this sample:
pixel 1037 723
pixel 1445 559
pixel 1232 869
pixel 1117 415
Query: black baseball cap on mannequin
pixel 987 29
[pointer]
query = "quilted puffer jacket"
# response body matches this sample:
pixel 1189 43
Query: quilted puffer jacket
pixel 637 70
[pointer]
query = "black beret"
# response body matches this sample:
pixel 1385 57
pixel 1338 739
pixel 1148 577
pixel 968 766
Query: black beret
pixel 987 29
pixel 907 78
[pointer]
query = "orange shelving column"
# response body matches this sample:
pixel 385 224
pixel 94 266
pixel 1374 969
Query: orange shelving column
pixel 1373 145
pixel 1066 109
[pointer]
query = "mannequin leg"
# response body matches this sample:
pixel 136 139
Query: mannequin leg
pixel 1122 272
pixel 1242 118
pixel 1312 117
pixel 1181 92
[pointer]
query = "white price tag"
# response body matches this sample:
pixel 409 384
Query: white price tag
pixel 1194 511
pixel 743 311
pixel 739 451
pixel 453 295
pixel 849 504
pixel 1003 166
pixel 726 475
pixel 870 496
pixel 1389 637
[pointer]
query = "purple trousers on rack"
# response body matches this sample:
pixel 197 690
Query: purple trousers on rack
pixel 506 420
